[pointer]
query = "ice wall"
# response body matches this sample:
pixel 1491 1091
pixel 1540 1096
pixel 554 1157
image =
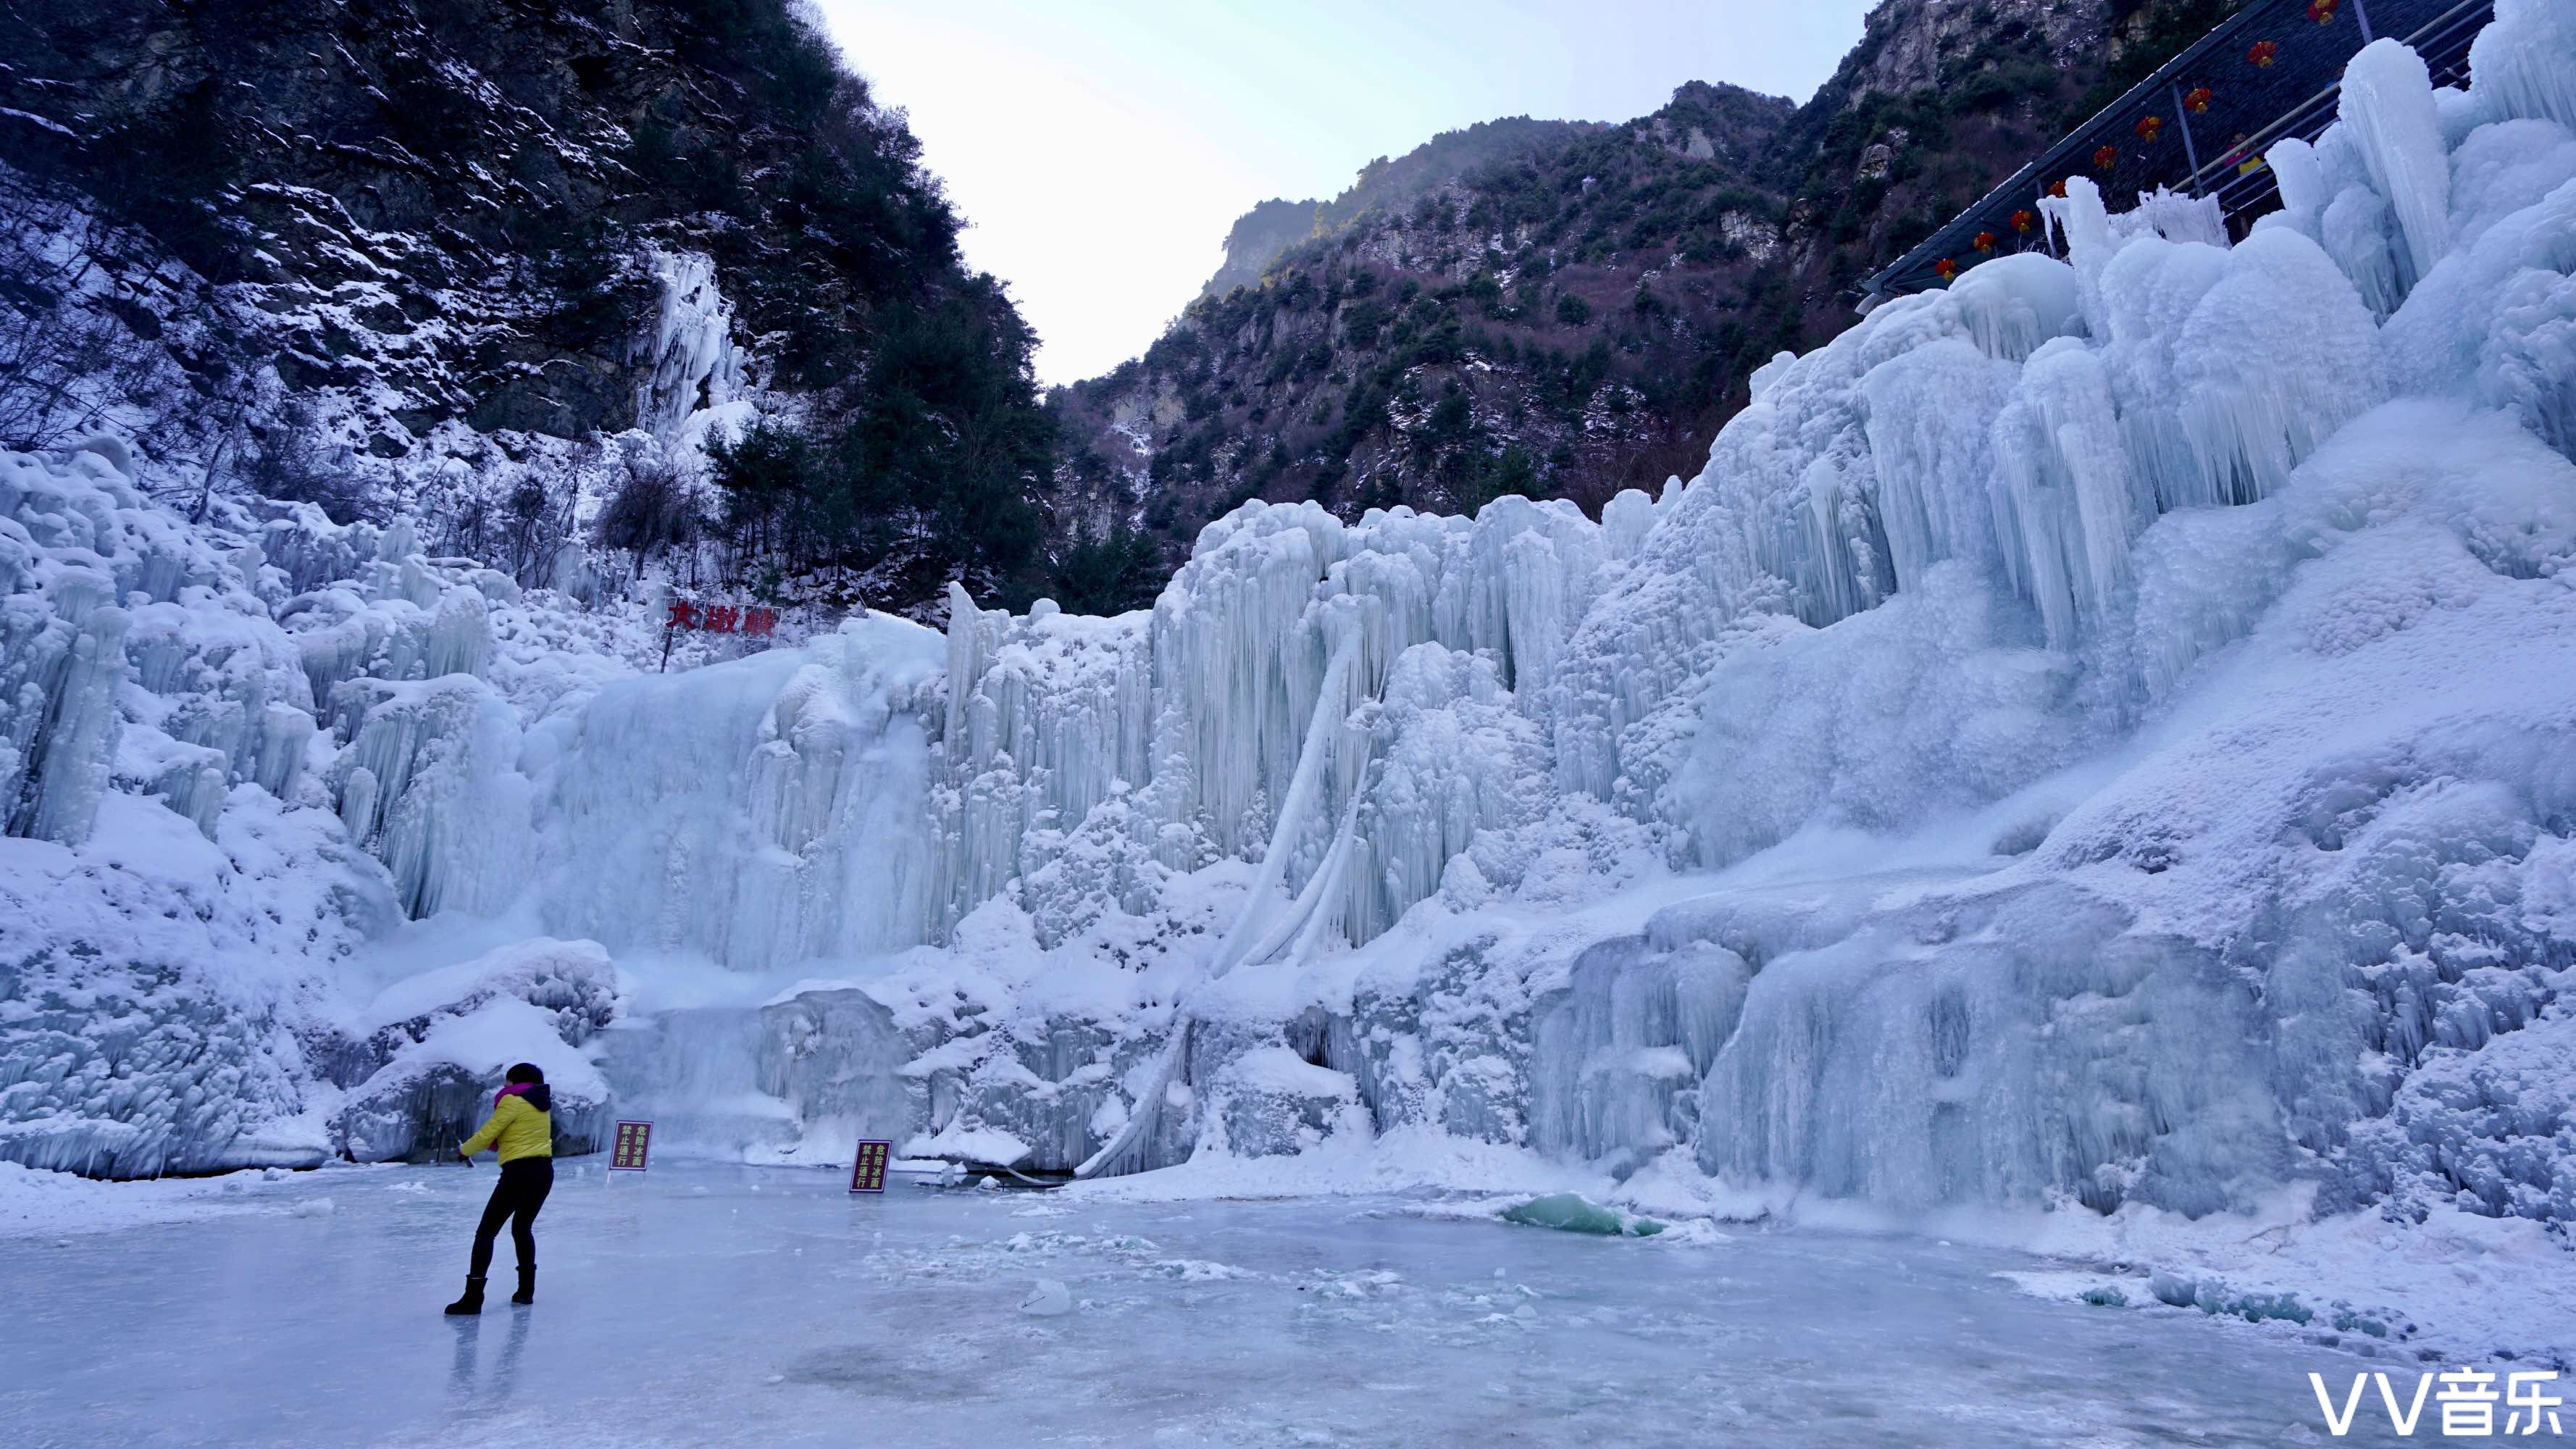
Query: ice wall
pixel 160 897
pixel 1185 727
pixel 763 812
pixel 235 752
pixel 2017 571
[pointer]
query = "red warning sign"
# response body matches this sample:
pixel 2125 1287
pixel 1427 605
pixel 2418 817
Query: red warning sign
pixel 633 1143
pixel 868 1169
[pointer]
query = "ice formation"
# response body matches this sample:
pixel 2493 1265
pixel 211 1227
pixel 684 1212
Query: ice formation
pixel 2095 734
pixel 697 377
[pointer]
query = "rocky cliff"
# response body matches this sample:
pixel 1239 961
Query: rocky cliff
pixel 403 245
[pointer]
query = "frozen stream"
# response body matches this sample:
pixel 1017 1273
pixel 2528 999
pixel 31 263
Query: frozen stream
pixel 708 1304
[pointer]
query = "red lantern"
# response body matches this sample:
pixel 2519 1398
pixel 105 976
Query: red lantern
pixel 2197 102
pixel 2106 158
pixel 1945 269
pixel 2023 221
pixel 2057 188
pixel 1985 241
pixel 2150 127
pixel 2263 52
pixel 2321 11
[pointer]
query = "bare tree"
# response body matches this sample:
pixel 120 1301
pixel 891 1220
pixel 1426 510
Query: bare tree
pixel 67 357
pixel 650 511
pixel 296 464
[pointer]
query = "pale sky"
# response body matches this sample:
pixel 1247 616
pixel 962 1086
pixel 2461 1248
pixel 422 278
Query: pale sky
pixel 1099 149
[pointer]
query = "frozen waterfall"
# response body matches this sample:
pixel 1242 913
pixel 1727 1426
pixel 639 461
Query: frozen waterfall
pixel 2095 734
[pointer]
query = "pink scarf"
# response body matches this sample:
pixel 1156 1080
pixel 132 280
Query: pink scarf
pixel 511 1090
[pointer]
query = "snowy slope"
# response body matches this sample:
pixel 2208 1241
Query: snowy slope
pixel 2102 736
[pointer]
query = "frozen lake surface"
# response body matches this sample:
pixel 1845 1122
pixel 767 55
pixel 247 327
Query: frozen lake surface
pixel 705 1304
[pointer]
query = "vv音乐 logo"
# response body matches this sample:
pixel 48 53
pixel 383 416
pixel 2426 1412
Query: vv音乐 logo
pixel 2467 1399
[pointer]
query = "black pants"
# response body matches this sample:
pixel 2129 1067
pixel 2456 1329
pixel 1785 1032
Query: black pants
pixel 521 1191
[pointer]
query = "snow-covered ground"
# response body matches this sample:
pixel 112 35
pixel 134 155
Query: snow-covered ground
pixel 37 1203
pixel 704 1304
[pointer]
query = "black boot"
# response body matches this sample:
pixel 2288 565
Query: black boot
pixel 472 1302
pixel 527 1286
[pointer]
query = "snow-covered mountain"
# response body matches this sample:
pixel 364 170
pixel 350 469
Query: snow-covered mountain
pixel 488 262
pixel 1564 310
pixel 2100 737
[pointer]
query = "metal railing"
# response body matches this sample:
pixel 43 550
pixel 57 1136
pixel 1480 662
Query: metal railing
pixel 2274 70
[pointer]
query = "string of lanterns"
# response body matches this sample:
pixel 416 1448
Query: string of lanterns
pixel 2149 129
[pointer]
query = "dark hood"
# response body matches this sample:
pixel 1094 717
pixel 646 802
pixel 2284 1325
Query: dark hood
pixel 540 1097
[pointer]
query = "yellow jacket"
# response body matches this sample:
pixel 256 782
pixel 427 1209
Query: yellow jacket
pixel 518 1129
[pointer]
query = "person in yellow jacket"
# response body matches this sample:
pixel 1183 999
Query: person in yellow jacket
pixel 522 1127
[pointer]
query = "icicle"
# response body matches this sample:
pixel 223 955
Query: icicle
pixel 71 752
pixel 447 811
pixel 399 542
pixel 2271 361
pixel 1234 653
pixel 2524 62
pixel 2070 503
pixel 1930 417
pixel 2083 229
pixel 2302 181
pixel 2354 231
pixel 1625 521
pixel 2388 110
pixel 2013 304
pixel 284 733
pixel 459 639
pixel 1254 937
pixel 2178 218
pixel 358 805
pixel 195 790
pixel 1305 787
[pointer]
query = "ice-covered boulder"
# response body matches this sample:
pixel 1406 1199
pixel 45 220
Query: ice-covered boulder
pixel 153 1014
pixel 1618 1053
pixel 573 982
pixel 839 1063
pixel 446 1037
pixel 436 1091
pixel 1270 1102
pixel 1057 1088
pixel 2494 1126
pixel 972 1145
pixel 1568 1212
